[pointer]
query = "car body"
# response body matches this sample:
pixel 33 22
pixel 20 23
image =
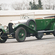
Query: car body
pixel 26 28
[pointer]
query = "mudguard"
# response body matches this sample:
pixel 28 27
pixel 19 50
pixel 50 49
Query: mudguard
pixel 28 29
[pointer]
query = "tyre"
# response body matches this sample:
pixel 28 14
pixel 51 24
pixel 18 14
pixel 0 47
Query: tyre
pixel 2 39
pixel 54 31
pixel 20 34
pixel 39 36
pixel 13 35
pixel 31 23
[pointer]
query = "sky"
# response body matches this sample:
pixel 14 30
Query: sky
pixel 44 2
pixel 12 1
pixel 48 1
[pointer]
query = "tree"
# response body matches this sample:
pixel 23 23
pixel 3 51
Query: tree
pixel 20 6
pixel 39 4
pixel 16 6
pixel 0 7
pixel 35 6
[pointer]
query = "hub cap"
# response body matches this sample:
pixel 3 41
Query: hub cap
pixel 21 34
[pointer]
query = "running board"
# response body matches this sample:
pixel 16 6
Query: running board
pixel 45 31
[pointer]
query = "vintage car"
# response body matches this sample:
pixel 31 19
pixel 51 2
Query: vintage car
pixel 27 28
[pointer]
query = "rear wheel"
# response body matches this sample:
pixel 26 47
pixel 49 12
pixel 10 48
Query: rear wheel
pixel 2 39
pixel 39 35
pixel 20 34
pixel 31 23
pixel 54 31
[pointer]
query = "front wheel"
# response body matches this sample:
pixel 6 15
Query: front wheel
pixel 3 40
pixel 20 34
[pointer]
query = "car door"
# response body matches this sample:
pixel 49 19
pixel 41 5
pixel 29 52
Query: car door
pixel 47 24
pixel 40 24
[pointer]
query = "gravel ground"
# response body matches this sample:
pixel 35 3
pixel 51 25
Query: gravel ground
pixel 31 46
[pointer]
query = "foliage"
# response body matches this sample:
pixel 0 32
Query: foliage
pixel 35 6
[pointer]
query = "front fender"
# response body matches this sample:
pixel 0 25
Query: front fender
pixel 28 29
pixel 3 30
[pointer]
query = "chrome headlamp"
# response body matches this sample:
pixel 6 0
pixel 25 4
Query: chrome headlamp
pixel 5 27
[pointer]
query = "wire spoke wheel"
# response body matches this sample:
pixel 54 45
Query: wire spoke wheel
pixel 54 31
pixel 20 34
pixel 2 39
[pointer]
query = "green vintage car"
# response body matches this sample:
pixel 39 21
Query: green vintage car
pixel 21 30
